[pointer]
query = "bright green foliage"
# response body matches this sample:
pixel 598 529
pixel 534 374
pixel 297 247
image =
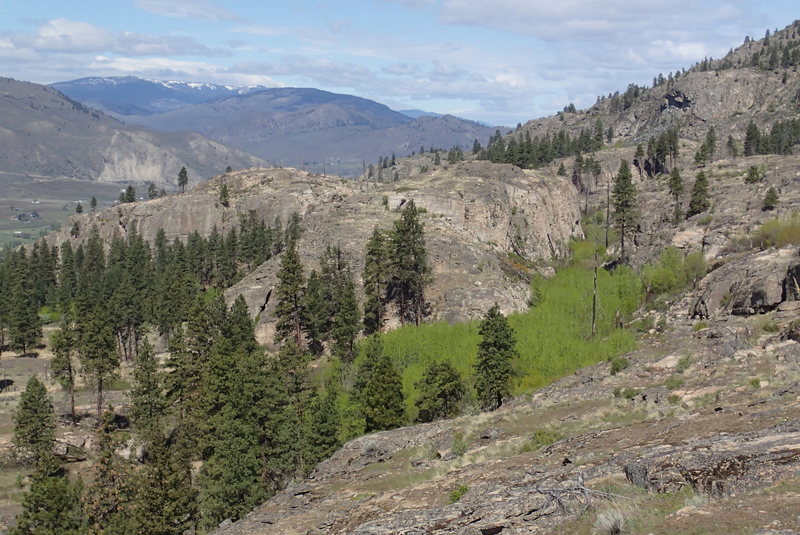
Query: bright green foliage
pixel 673 271
pixel 34 421
pixel 440 392
pixel 148 405
pixel 410 273
pixel 623 198
pixel 699 201
pixel 553 338
pixel 64 344
pixel 376 277
pixel 494 365
pixel 289 310
pixel 52 504
pixel 770 199
pixel 378 389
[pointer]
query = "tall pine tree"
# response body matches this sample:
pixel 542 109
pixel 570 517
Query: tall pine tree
pixel 496 353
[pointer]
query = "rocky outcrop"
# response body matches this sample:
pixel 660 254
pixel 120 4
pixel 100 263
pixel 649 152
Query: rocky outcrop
pixel 486 225
pixel 751 284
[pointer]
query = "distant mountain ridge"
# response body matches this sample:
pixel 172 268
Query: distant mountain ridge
pixel 301 127
pixel 131 95
pixel 46 134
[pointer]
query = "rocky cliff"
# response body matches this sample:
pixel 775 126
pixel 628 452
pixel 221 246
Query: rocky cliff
pixel 486 225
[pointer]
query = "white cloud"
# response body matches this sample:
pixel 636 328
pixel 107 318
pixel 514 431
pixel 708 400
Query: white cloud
pixel 69 36
pixel 187 9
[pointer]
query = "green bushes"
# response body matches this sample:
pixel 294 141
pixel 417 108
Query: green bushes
pixel 618 364
pixel 457 493
pixel 673 272
pixel 553 338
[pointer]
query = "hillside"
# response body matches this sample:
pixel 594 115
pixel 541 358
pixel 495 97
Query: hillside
pixel 46 135
pixel 481 219
pixel 316 130
pixel 128 95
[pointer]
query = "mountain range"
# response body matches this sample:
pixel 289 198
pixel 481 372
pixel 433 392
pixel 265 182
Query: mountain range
pixel 301 127
pixel 46 134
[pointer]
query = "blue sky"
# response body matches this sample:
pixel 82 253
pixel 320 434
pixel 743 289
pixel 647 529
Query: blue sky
pixel 499 61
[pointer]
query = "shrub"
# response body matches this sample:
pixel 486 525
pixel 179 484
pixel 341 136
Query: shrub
pixel 673 399
pixel 629 393
pixel 458 492
pixel 619 364
pixel 459 447
pixel 674 382
pixel 683 363
pixel 753 175
pixel 700 325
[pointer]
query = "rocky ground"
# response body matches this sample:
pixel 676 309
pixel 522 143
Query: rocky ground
pixel 699 434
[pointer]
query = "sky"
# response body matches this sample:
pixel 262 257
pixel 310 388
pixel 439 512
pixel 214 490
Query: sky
pixel 496 61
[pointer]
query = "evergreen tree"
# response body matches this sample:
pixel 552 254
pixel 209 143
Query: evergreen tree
pixel 65 349
pixel 34 421
pixel 699 201
pixel 440 392
pixel 624 201
pixel 224 197
pixel 152 191
pixel 322 428
pixel 183 179
pixel 107 502
pixel 733 148
pixel 346 320
pixel 51 506
pixel 79 208
pixel 409 265
pixel 376 278
pixel 378 389
pixel 93 203
pixel 752 139
pixel 290 290
pixel 148 405
pixel 130 194
pixel 238 326
pixel 676 189
pixel 770 199
pixel 97 353
pixel 24 329
pixel 496 353
pixel 165 499
pixel 711 143
pixel 317 309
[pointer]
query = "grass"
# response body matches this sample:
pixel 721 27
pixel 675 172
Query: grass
pixel 457 493
pixel 553 338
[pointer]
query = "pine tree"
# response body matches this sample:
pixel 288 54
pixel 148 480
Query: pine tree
pixel 770 199
pixel 148 405
pixel 409 265
pixel 34 421
pixel 183 179
pixel 65 349
pixel 24 329
pixel 107 502
pixel 346 320
pixel 93 203
pixel 699 201
pixel 496 353
pixel 376 277
pixel 290 289
pixel 51 506
pixel 711 143
pixel 676 189
pixel 378 389
pixel 238 326
pixel 322 428
pixel 97 353
pixel 624 201
pixel 224 196
pixel 440 392
pixel 165 499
